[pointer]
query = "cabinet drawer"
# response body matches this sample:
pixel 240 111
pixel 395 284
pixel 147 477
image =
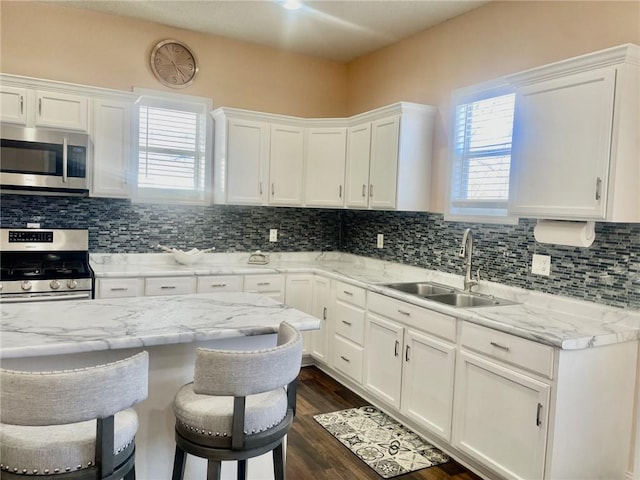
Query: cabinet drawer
pixel 220 283
pixel 350 294
pixel 263 283
pixel 119 287
pixel 349 322
pixel 423 319
pixel 523 353
pixel 347 358
pixel 170 285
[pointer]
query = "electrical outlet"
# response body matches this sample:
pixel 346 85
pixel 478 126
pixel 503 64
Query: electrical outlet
pixel 541 264
pixel 380 241
pixel 273 235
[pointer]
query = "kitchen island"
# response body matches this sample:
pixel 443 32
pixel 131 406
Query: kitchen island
pixel 56 335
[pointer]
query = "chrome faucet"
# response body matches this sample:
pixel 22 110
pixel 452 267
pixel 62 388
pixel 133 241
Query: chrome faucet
pixel 466 250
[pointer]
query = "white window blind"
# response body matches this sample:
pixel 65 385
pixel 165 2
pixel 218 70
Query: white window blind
pixel 172 150
pixel 481 159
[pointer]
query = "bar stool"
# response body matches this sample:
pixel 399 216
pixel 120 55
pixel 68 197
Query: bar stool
pixel 72 424
pixel 240 405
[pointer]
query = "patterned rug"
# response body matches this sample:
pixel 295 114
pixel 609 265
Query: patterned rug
pixel 379 441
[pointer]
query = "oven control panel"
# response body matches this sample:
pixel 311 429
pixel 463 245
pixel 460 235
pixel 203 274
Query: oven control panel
pixel 31 236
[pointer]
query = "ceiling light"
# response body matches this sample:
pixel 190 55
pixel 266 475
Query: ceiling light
pixel 292 4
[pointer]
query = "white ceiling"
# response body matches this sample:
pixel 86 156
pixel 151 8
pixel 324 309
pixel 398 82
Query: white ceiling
pixel 334 29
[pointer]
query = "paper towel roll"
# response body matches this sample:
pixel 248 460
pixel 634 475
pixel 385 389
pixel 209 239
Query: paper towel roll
pixel 561 232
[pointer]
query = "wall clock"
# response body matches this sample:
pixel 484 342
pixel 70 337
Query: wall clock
pixel 173 64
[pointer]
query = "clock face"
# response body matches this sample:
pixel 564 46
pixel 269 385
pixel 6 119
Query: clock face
pixel 173 64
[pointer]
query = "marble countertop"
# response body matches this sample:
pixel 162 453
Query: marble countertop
pixel 549 319
pixel 53 328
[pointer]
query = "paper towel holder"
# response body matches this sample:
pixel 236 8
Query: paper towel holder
pixel 565 232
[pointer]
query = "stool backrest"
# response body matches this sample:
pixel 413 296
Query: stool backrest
pixel 69 396
pixel 242 373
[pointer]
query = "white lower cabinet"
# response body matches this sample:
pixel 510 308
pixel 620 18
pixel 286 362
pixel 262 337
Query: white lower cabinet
pixel 169 285
pixel 319 345
pixel 119 287
pixel 272 285
pixel 501 417
pixel 220 283
pixel 347 354
pixel 299 295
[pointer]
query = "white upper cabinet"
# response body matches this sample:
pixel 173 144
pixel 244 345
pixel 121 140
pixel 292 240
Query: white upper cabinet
pixel 286 165
pixel 113 148
pixel 326 152
pixel 61 110
pixel 357 166
pixel 575 141
pixel 14 105
pixel 389 158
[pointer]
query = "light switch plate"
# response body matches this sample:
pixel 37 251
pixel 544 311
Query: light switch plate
pixel 380 240
pixel 541 264
pixel 273 235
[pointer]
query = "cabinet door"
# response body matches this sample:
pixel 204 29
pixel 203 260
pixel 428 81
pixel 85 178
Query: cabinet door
pixel 427 382
pixel 62 110
pixel 219 283
pixel 112 148
pixel 500 417
pixel 247 161
pixel 14 105
pixel 119 287
pixel 286 164
pixel 321 310
pixel 563 139
pixel 383 171
pixel 169 285
pixel 299 295
pixel 357 170
pixel 326 155
pixel 383 359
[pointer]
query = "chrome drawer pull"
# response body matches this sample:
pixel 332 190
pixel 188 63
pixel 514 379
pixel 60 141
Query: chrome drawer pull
pixel 501 347
pixel 324 313
pixel 403 312
pixel 364 190
pixel 395 349
pixel 218 285
pixel 346 292
pixel 263 284
pixel 344 358
pixel 406 353
pixel 119 289
pixel 538 420
pixel 346 323
pixel 167 287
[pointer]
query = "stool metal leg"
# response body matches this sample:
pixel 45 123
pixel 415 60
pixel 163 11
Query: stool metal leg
pixel 242 470
pixel 278 462
pixel 214 469
pixel 179 461
pixel 131 474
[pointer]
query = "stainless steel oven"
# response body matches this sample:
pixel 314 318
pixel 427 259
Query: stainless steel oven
pixel 40 264
pixel 42 160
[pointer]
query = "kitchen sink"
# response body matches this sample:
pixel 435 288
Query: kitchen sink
pixel 422 289
pixel 448 295
pixel 469 300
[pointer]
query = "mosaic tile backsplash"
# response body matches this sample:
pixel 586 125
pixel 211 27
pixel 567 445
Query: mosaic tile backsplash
pixel 608 272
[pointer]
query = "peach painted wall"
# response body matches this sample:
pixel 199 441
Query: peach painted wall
pixel 80 46
pixel 496 39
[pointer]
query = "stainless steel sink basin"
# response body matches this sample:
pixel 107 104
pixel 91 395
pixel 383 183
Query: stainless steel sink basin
pixel 422 289
pixel 448 295
pixel 469 300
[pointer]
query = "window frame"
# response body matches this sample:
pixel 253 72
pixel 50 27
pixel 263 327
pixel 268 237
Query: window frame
pixel 474 211
pixel 188 103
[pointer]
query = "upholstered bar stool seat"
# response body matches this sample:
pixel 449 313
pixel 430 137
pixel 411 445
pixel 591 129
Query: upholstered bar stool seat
pixel 74 424
pixel 240 405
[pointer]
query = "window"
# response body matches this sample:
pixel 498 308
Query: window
pixel 481 155
pixel 173 149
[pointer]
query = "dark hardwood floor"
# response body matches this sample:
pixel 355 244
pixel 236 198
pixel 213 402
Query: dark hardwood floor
pixel 312 453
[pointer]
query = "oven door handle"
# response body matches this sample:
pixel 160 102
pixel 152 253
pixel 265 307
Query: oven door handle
pixel 46 298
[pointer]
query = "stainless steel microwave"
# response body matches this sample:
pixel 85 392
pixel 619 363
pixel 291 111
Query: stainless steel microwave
pixel 43 161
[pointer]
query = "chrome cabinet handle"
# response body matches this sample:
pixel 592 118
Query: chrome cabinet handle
pixel 538 416
pixel 346 292
pixel 501 347
pixel 395 349
pixel 65 159
pixel 40 106
pixel 364 190
pixel 263 284
pixel 406 353
pixel 119 289
pixel 218 285
pixel 346 323
pixel 273 189
pixel 598 188
pixel 260 187
pixel 167 287
pixel 371 190
pixel 324 313
pixel 340 194
pixel 21 104
pixel 345 358
pixel 403 312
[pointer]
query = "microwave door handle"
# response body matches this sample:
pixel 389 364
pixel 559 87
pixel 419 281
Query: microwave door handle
pixel 65 160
